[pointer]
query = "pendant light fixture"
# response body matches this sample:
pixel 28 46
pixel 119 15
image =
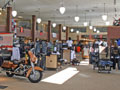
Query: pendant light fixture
pixel 76 18
pixel 39 19
pixel 0 13
pixel 107 23
pixel 77 32
pixel 85 23
pixel 64 27
pixel 14 12
pixel 104 16
pixel 95 29
pixel 62 8
pixel 72 30
pixel 98 31
pixel 90 25
pixel 54 24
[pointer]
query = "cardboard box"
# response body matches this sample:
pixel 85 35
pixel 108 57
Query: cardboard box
pixel 66 55
pixel 51 61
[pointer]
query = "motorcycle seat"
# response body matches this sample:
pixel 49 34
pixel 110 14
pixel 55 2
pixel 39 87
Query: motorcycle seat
pixel 17 62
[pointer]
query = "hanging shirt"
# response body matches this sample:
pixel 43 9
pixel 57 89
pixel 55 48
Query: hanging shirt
pixel 15 54
pixel 69 42
pixel 118 42
pixel 73 55
pixel 86 51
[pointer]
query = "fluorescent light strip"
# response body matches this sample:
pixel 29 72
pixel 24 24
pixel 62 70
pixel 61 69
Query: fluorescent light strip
pixel 62 76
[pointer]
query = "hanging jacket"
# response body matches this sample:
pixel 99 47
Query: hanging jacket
pixel 15 54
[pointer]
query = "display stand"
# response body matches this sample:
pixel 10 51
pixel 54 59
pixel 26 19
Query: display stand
pixel 51 61
pixel 85 53
pixel 66 55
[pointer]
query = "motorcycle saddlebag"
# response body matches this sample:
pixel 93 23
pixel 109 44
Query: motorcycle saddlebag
pixel 7 64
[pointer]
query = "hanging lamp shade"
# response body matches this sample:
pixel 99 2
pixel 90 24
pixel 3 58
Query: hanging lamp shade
pixel 54 25
pixel 104 17
pixel 64 27
pixel 95 30
pixel 90 27
pixel 98 31
pixel 72 30
pixel 14 13
pixel 0 13
pixel 107 23
pixel 77 18
pixel 85 24
pixel 62 9
pixel 77 32
pixel 39 20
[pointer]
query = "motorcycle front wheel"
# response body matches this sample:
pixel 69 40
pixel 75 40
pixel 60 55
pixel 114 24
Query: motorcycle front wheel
pixel 35 77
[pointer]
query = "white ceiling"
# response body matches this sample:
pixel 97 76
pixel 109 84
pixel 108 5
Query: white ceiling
pixel 49 9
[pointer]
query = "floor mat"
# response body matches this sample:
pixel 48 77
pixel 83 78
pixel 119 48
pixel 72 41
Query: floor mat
pixel 62 76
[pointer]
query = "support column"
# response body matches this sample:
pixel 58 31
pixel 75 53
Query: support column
pixel 49 31
pixel 78 38
pixel 9 19
pixel 60 30
pixel 33 27
pixel 67 29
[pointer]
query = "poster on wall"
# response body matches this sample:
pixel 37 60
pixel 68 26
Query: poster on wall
pixel 25 24
pixel 54 35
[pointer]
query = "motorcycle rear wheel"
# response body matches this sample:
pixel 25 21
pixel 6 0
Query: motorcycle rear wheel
pixel 35 78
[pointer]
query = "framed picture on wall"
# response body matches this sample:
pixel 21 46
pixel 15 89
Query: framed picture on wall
pixel 26 24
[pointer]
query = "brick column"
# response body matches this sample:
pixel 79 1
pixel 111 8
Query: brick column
pixel 49 31
pixel 67 29
pixel 9 19
pixel 78 38
pixel 60 30
pixel 33 27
